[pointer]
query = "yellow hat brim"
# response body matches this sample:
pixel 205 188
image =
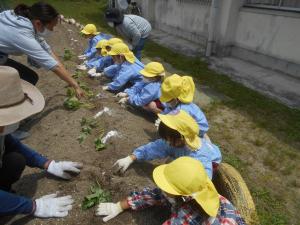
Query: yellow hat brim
pixel 165 97
pixel 87 33
pixel 209 199
pixel 128 56
pixel 147 74
pixel 161 181
pixel 194 143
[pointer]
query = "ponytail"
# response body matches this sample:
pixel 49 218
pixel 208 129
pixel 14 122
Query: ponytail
pixel 38 11
pixel 22 10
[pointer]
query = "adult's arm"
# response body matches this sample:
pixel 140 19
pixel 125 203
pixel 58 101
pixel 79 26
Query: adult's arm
pixel 33 159
pixel 11 204
pixel 32 48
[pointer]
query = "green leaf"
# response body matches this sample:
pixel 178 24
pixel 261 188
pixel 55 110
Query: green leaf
pixel 99 145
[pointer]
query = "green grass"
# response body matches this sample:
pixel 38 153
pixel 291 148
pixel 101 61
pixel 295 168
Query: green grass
pixel 267 113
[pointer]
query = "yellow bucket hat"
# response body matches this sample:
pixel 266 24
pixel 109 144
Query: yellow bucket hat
pixel 185 124
pixel 102 45
pixel 175 86
pixel 114 41
pixel 153 69
pixel 90 29
pixel 122 49
pixel 186 176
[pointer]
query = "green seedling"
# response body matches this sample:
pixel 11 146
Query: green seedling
pixel 78 74
pixel 67 54
pixel 73 103
pixel 98 195
pixel 99 145
pixel 86 128
pixel 70 92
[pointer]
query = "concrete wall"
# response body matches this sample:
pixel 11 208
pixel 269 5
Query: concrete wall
pixel 269 38
pixel 187 19
pixel 270 33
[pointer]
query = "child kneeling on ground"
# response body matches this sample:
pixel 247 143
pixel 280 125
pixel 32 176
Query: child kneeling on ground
pixel 146 93
pixel 177 92
pixel 126 69
pixel 90 32
pixel 186 191
pixel 103 47
pixel 179 137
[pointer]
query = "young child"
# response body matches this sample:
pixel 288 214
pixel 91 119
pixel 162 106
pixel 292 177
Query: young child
pixel 90 32
pixel 125 70
pixel 179 137
pixel 185 191
pixel 146 93
pixel 177 92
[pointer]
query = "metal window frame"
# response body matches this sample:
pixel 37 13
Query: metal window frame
pixel 271 7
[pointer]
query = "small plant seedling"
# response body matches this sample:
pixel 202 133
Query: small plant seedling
pixel 86 128
pixel 73 103
pixel 67 54
pixel 70 92
pixel 98 195
pixel 78 74
pixel 99 145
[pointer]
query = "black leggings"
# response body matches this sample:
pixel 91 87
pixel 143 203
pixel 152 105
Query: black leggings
pixel 25 72
pixel 13 164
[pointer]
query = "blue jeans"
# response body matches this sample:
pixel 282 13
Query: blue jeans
pixel 138 49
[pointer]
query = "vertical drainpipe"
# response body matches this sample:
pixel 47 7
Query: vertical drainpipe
pixel 212 25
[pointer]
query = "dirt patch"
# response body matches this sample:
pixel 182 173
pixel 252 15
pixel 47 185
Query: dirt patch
pixel 54 133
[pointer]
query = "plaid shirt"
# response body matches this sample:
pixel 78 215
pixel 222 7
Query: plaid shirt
pixel 185 214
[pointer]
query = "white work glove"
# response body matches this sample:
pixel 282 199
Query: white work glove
pixel 109 210
pixel 92 71
pixel 53 206
pixel 98 74
pixel 157 122
pixel 82 57
pixel 121 95
pixel 59 168
pixel 124 163
pixel 123 101
pixel 105 88
pixel 81 67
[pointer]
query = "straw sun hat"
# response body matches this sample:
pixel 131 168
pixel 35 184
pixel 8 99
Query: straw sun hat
pixel 18 98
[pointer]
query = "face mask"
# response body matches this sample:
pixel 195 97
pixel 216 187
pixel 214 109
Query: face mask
pixel 111 24
pixel 45 33
pixel 10 129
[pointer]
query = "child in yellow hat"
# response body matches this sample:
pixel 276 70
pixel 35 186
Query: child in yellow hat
pixel 146 93
pixel 90 32
pixel 178 133
pixel 186 191
pixel 104 60
pixel 177 92
pixel 125 70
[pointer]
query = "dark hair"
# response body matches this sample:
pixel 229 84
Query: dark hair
pixel 114 15
pixel 38 11
pixel 193 204
pixel 168 133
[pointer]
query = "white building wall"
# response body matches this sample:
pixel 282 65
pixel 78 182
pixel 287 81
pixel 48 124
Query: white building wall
pixel 273 34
